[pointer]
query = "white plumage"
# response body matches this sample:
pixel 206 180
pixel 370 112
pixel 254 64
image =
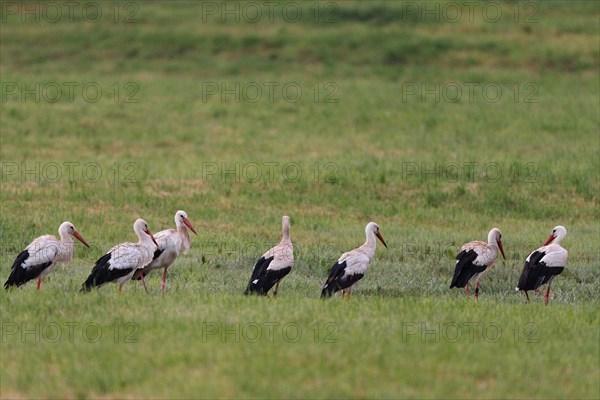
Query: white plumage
pixel 273 265
pixel 543 264
pixel 171 243
pixel 555 255
pixel 352 265
pixel 41 256
pixel 486 253
pixel 475 259
pixel 123 260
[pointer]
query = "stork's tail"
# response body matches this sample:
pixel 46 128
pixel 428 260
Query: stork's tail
pixel 85 288
pixel 88 284
pixel 327 291
pixel 258 291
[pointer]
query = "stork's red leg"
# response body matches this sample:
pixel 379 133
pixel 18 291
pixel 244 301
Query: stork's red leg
pixel 526 295
pixel 547 293
pixel 343 293
pixel 164 279
pixel 276 289
pixel 477 290
pixel 144 282
pixel 39 283
pixel 467 288
pixel 120 288
pixel 349 293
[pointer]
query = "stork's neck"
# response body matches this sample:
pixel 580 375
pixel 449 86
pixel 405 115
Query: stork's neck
pixel 66 248
pixel 559 238
pixel 183 233
pixel 178 223
pixel 65 238
pixel 492 239
pixel 370 244
pixel 285 234
pixel 144 239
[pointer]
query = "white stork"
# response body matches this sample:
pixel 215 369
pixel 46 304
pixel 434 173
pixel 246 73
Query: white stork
pixel 119 264
pixel 352 265
pixel 274 265
pixel 543 264
pixel 171 242
pixel 475 259
pixel 41 256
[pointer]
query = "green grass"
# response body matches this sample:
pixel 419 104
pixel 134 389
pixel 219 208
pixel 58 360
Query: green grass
pixel 366 146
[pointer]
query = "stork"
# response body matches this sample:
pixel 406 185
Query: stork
pixel 543 264
pixel 121 262
pixel 274 265
pixel 171 242
pixel 41 256
pixel 352 265
pixel 475 259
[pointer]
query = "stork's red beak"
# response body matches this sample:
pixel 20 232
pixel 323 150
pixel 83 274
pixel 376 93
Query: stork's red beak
pixel 149 233
pixel 501 249
pixel 80 238
pixel 381 238
pixel 550 238
pixel 189 225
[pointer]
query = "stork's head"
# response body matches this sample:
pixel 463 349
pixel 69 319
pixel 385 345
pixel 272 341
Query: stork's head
pixel 67 228
pixel 181 219
pixel 558 234
pixel 374 228
pixel 495 237
pixel 141 228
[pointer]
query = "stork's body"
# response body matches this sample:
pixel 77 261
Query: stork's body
pixel 352 265
pixel 122 261
pixel 274 265
pixel 171 243
pixel 475 259
pixel 41 256
pixel 543 264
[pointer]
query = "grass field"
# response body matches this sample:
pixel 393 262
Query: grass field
pixel 436 126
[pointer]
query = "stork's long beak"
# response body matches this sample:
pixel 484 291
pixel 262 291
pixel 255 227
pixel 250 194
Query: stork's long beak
pixel 501 249
pixel 189 225
pixel 80 238
pixel 381 238
pixel 550 239
pixel 149 233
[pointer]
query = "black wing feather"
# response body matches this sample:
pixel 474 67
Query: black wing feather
pixel 465 269
pixel 337 280
pixel 262 279
pixel 268 280
pixel 536 273
pixel 101 273
pixel 20 275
